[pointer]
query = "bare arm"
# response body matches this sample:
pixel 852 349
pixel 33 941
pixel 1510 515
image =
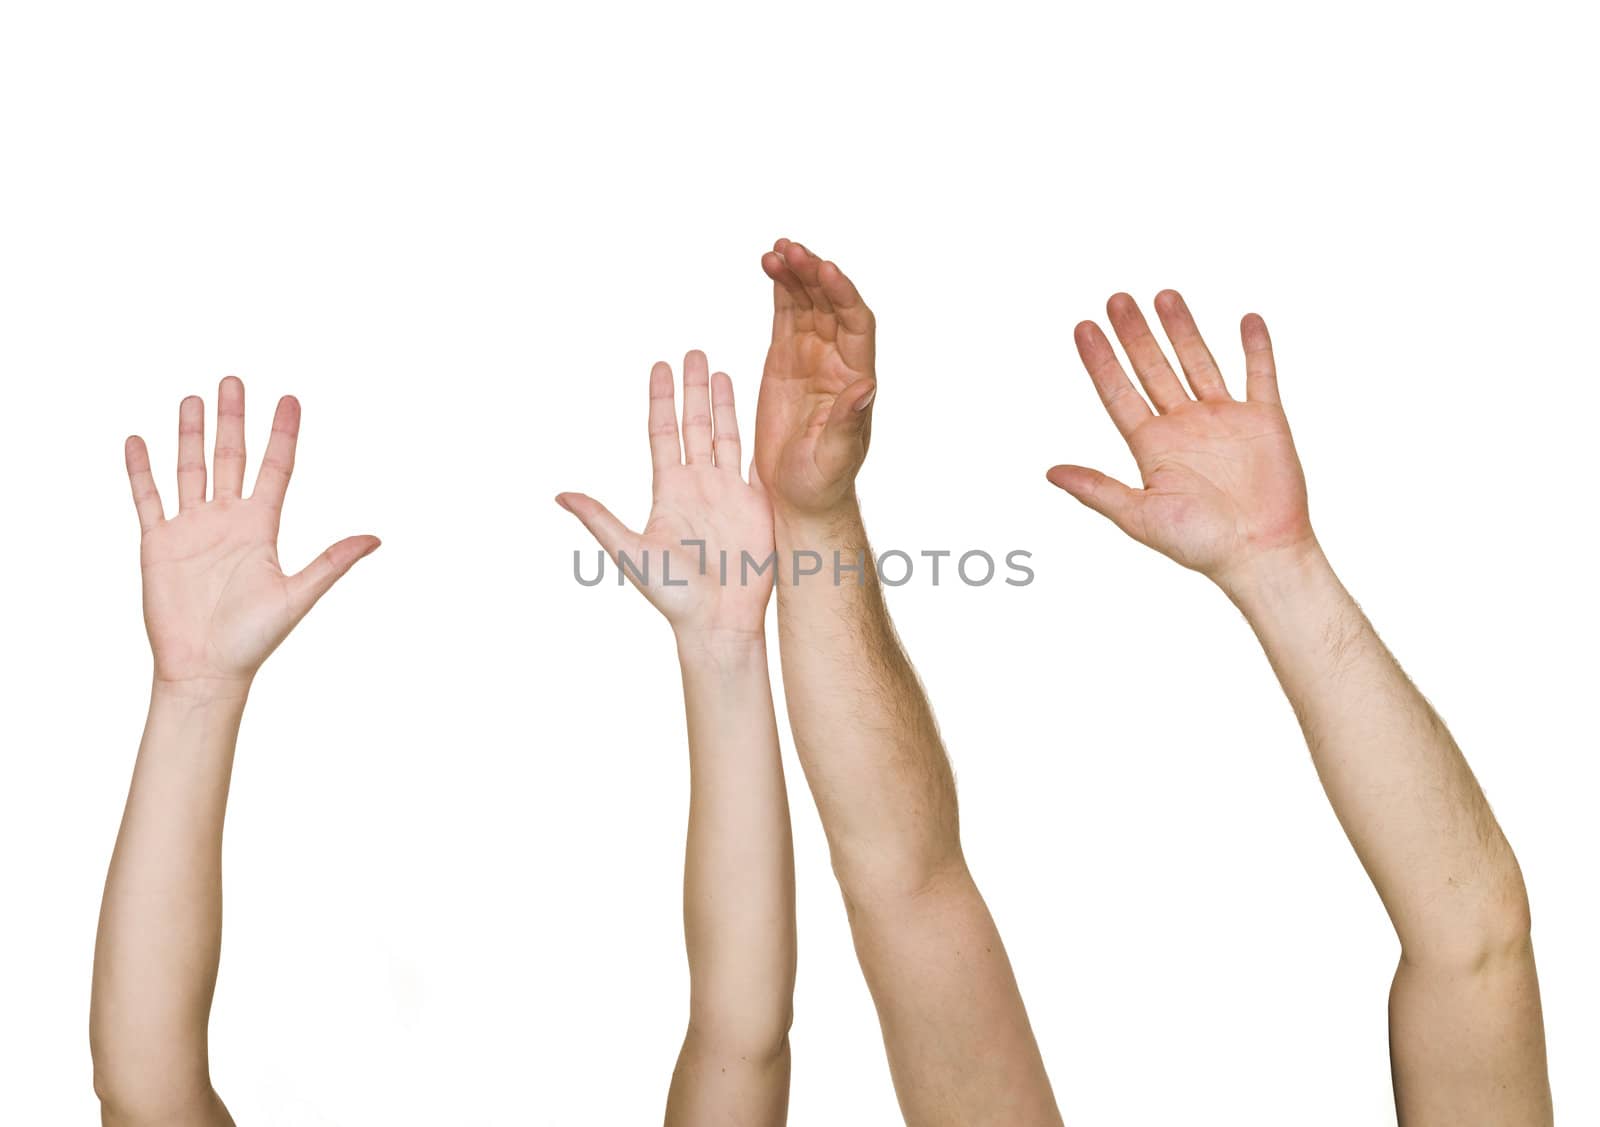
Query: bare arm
pixel 161 918
pixel 738 877
pixel 216 604
pixel 738 896
pixel 1224 494
pixel 959 1044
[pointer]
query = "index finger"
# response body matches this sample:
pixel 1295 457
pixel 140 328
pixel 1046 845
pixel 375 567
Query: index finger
pixel 1127 407
pixel 664 449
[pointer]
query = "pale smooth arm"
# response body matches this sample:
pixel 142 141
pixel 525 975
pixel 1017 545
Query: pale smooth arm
pixel 161 917
pixel 738 874
pixel 216 604
pixel 738 895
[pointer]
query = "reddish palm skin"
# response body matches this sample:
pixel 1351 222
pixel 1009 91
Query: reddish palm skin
pixel 1223 487
pixel 1222 482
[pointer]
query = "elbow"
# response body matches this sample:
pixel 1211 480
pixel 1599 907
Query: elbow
pixel 886 887
pixel 139 1104
pixel 134 1091
pixel 750 1035
pixel 1497 933
pixel 877 879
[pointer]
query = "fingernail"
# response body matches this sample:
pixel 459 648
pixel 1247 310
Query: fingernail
pixel 866 400
pixel 561 499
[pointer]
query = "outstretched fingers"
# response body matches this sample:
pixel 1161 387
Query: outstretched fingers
pixel 1144 353
pixel 1198 364
pixel 696 409
pixel 313 582
pixel 191 453
pixel 1260 371
pixel 227 461
pixel 664 449
pixel 1105 495
pixel 146 498
pixel 728 453
pixel 1127 407
pixel 277 465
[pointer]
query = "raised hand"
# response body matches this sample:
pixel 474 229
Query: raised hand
pixel 216 601
pixel 814 418
pixel 706 591
pixel 1223 486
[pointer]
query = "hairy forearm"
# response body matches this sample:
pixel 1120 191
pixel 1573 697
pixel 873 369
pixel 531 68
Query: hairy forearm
pixel 1395 778
pixel 161 917
pixel 1466 1031
pixel 862 724
pixel 960 1046
pixel 738 892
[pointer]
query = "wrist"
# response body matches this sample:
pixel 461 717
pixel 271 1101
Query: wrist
pixel 200 692
pixel 807 528
pixel 1276 577
pixel 722 646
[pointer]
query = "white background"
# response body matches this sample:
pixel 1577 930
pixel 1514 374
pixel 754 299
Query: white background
pixel 461 233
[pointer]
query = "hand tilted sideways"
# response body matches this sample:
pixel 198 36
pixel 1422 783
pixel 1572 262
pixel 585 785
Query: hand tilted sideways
pixel 814 417
pixel 1223 487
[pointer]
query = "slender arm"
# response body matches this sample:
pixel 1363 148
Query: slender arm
pixel 161 918
pixel 738 872
pixel 216 604
pixel 738 895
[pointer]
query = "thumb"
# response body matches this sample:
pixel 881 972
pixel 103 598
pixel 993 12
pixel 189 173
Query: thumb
pixel 844 435
pixel 1105 495
pixel 314 580
pixel 613 535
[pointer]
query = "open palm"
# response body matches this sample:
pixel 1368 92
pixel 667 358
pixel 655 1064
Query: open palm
pixel 216 601
pixel 705 558
pixel 1222 481
pixel 813 418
